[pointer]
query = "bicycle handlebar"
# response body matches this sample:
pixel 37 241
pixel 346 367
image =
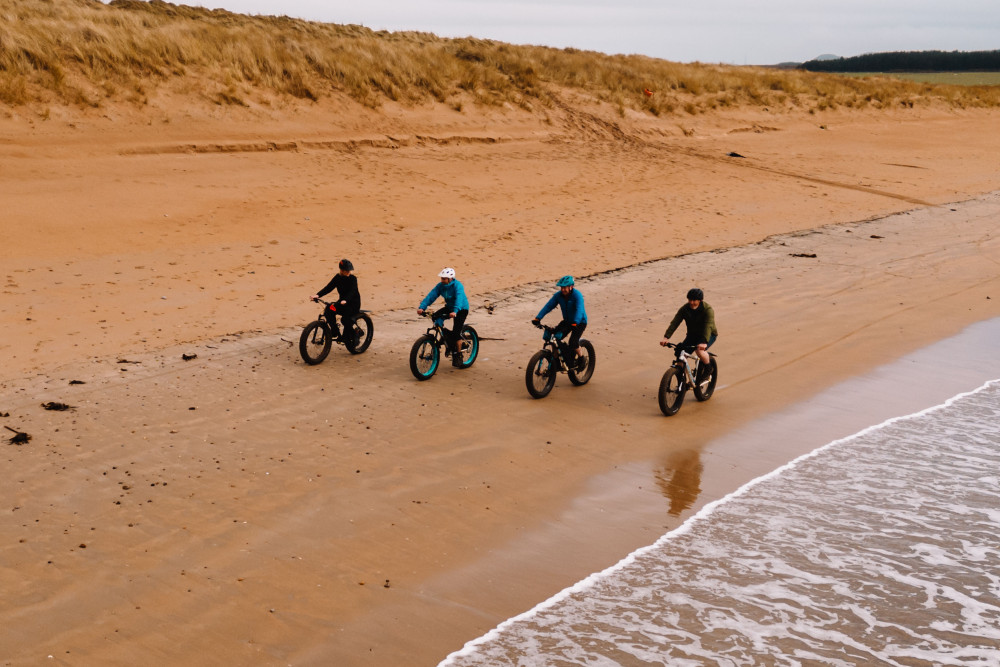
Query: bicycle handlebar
pixel 688 350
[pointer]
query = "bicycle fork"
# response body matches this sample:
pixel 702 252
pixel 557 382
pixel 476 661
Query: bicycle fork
pixel 689 375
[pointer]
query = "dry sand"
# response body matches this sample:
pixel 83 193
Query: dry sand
pixel 242 507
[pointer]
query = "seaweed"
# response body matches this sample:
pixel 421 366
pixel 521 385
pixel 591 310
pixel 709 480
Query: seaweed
pixel 19 437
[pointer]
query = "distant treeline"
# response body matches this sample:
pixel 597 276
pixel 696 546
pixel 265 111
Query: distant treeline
pixel 911 61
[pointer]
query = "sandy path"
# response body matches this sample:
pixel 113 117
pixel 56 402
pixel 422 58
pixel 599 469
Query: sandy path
pixel 243 507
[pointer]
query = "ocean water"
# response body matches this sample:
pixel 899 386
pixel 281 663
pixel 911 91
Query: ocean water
pixel 882 548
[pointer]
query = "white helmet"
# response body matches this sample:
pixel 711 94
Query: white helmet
pixel 447 273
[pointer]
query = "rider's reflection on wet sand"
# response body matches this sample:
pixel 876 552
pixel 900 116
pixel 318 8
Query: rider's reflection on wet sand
pixel 679 479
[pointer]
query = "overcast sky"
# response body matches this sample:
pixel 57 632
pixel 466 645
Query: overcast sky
pixel 737 32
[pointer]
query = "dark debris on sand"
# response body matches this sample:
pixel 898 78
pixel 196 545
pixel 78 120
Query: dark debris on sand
pixel 53 405
pixel 19 437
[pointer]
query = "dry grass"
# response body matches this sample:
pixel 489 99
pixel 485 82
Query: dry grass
pixel 82 52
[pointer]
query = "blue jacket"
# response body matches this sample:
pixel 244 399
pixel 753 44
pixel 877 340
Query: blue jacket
pixel 571 306
pixel 453 294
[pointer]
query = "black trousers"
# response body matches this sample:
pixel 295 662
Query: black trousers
pixel 347 314
pixel 451 336
pixel 574 332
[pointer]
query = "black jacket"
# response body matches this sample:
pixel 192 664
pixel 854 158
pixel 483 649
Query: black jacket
pixel 347 289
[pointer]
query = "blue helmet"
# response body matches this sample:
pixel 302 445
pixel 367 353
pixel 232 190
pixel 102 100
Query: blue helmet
pixel 565 281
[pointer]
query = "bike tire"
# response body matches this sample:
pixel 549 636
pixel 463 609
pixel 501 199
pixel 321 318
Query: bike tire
pixel 671 393
pixel 583 377
pixel 704 389
pixel 425 357
pixel 471 338
pixel 363 330
pixel 540 376
pixel 315 342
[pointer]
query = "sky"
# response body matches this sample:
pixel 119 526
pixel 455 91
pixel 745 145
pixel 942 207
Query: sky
pixel 736 32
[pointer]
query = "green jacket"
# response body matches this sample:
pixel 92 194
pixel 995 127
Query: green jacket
pixel 700 323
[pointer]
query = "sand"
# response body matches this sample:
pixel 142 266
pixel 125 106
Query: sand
pixel 242 507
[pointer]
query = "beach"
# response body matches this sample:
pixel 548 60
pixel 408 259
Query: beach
pixel 876 547
pixel 242 507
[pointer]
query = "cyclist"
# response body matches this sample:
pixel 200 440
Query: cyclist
pixel 456 307
pixel 699 319
pixel 348 302
pixel 574 320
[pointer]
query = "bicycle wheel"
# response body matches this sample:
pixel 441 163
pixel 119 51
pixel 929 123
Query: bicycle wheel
pixel 362 331
pixel 671 394
pixel 540 376
pixel 583 377
pixel 425 357
pixel 315 342
pixel 470 340
pixel 703 390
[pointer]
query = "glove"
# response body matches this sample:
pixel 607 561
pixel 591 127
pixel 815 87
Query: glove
pixel 537 322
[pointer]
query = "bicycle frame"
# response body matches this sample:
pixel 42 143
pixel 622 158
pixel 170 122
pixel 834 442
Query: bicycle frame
pixel 553 341
pixel 328 305
pixel 687 362
pixel 436 329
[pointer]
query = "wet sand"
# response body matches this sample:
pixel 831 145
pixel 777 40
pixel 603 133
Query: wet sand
pixel 244 507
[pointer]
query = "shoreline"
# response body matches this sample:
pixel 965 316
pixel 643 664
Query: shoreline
pixel 829 419
pixel 267 507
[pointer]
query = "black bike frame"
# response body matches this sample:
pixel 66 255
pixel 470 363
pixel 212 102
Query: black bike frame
pixel 555 344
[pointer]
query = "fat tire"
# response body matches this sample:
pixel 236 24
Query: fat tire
pixel 418 357
pixel 704 390
pixel 313 349
pixel 363 330
pixel 470 336
pixel 671 393
pixel 540 384
pixel 583 377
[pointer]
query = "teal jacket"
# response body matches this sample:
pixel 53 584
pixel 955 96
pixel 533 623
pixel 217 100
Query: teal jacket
pixel 453 294
pixel 571 307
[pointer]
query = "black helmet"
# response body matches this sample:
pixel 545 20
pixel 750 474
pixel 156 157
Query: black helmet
pixel 345 265
pixel 695 294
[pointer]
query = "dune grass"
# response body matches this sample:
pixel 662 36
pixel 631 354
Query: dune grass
pixel 86 53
